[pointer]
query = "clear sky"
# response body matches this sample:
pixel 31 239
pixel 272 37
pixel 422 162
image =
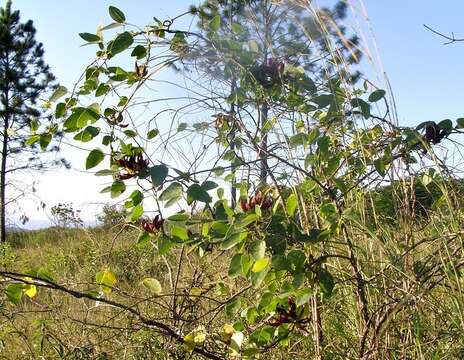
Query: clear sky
pixel 426 76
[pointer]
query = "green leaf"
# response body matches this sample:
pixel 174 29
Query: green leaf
pixel 460 123
pixel 152 134
pixel 106 279
pixel 136 213
pixel 324 100
pixel 182 127
pixel 111 26
pixel 91 38
pixel 60 110
pixel 235 266
pixel 446 124
pixel 260 265
pixel 376 95
pixel 102 90
pixel 179 232
pixel 179 217
pixel 300 139
pixel 323 145
pixel 105 172
pixel 153 285
pixel 247 220
pixel 237 29
pixel 116 14
pixel 312 237
pixel 81 117
pixel 117 188
pixel 59 92
pixel 303 296
pixel 178 43
pixel 136 197
pixel 196 192
pixel 44 274
pixel 209 185
pixel 292 203
pixel 158 174
pixel 94 158
pixel 171 194
pixel 215 23
pixel 233 240
pixel 143 239
pixel 258 249
pixel 279 263
pixel 45 140
pixel 313 135
pixel 130 133
pixel 380 167
pixel 139 52
pixel 87 134
pixel 164 245
pixel 121 43
pixel 296 260
pixel 364 106
pixel 32 140
pixel 14 292
pixel 247 262
pixel 326 282
pixel 253 46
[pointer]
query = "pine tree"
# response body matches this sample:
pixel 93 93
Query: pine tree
pixel 281 32
pixel 25 79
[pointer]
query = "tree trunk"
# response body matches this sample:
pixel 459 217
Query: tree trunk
pixel 233 191
pixel 3 182
pixel 263 145
pixel 265 106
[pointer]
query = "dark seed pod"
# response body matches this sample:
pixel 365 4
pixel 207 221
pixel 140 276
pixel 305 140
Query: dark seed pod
pixel 432 133
pixel 141 70
pixel 244 205
pixel 158 222
pixel 149 227
pixel 258 198
pixel 124 176
pixel 267 203
pixel 252 203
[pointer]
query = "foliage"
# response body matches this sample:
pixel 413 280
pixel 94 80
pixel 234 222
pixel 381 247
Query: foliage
pixel 65 215
pixel 112 215
pixel 301 264
pixel 25 80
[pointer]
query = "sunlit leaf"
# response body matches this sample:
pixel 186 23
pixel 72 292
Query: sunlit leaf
pixel 94 158
pixel 116 14
pixel 153 285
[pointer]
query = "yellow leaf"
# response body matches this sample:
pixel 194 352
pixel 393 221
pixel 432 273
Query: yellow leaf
pixel 260 265
pixel 236 343
pixel 196 291
pixel 106 279
pixel 153 285
pixel 30 291
pixel 227 332
pixel 194 338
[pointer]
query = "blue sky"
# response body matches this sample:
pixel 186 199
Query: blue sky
pixel 426 76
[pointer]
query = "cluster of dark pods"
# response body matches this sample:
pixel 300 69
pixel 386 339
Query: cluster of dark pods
pixel 269 73
pixel 265 202
pixel 132 164
pixel 288 315
pixel 153 226
pixel 116 119
pixel 435 134
pixel 140 70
